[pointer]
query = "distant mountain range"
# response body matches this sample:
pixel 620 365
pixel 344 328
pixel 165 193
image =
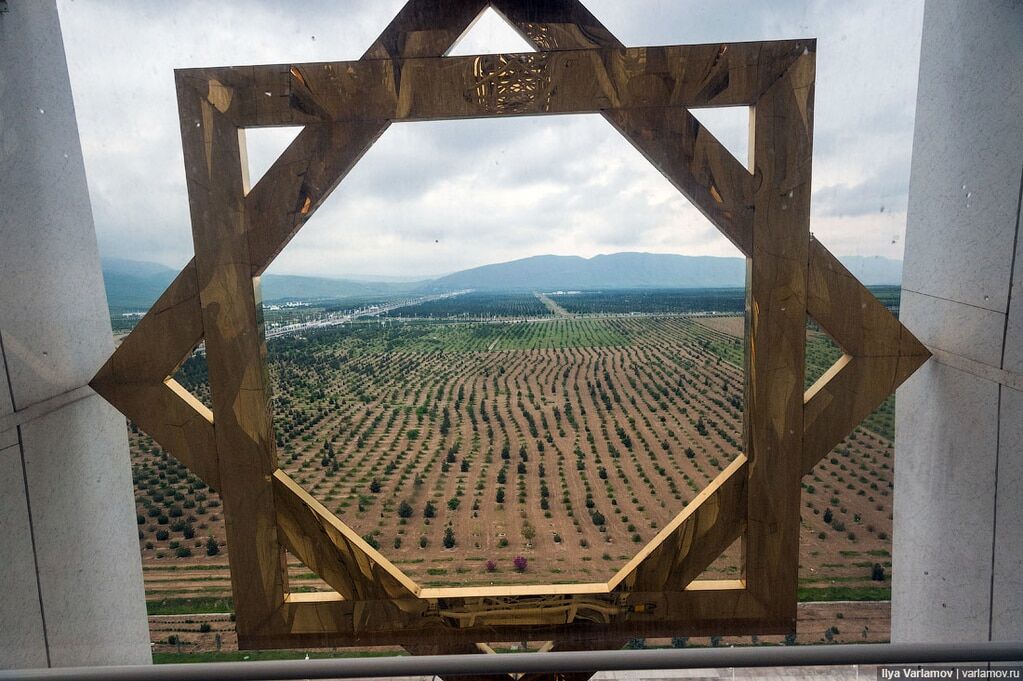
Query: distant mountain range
pixel 132 284
pixel 136 285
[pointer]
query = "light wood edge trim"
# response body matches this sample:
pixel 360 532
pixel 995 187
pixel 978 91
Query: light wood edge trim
pixel 511 590
pixel 716 585
pixel 840 364
pixel 525 590
pixel 314 597
pixel 191 400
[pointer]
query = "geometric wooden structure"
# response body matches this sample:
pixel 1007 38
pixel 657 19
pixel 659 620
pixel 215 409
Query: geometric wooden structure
pixel 580 67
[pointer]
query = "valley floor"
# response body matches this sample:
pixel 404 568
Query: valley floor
pixel 567 443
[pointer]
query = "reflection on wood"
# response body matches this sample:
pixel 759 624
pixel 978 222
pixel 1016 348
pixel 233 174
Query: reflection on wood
pixel 587 81
pixel 781 141
pixel 243 430
pixel 881 354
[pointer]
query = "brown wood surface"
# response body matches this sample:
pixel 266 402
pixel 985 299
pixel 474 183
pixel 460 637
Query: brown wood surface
pixel 136 378
pixel 881 354
pixel 781 141
pixel 430 88
pixel 556 24
pixel 234 352
pixel 693 160
pixel 319 620
pixel 333 550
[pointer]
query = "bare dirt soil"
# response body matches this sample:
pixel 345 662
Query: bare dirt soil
pixel 568 442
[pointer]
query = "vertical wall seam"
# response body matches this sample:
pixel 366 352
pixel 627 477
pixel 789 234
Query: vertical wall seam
pixel 7 372
pixel 35 556
pixel 994 515
pixel 1012 269
pixel 998 416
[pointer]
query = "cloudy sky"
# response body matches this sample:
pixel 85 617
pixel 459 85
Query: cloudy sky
pixel 437 197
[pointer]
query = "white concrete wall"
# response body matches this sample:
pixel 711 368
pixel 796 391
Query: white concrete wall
pixel 70 571
pixel 958 537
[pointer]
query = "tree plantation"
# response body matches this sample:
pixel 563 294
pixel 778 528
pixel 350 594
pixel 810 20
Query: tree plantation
pixel 545 449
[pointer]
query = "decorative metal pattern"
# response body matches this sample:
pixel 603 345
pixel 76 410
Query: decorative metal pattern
pixel 511 84
pixel 581 68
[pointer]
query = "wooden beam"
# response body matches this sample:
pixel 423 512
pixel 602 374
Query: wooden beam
pixel 781 140
pixel 851 314
pixel 328 622
pixel 556 24
pixel 235 353
pixel 425 29
pixel 581 68
pixel 136 378
pixel 299 181
pixel 881 354
pixel 333 550
pixel 431 88
pixel 696 164
pixel 680 552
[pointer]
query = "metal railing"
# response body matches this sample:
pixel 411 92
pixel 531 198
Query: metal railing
pixel 553 662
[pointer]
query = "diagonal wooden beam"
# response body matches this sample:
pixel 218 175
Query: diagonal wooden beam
pixel 851 314
pixel 425 28
pixel 136 378
pixel 164 337
pixel 556 24
pixel 299 181
pixel 699 166
pixel 708 525
pixel 333 550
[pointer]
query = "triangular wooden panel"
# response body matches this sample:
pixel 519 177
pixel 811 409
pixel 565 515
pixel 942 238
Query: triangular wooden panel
pixel 882 354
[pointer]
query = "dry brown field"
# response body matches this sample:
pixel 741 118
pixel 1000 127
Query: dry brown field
pixel 568 442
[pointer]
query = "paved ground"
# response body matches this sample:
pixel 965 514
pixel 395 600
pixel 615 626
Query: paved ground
pixel 769 674
pixel 766 674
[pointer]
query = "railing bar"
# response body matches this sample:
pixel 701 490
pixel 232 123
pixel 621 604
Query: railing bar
pixel 573 661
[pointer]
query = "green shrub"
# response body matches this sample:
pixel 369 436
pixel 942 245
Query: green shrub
pixel 212 547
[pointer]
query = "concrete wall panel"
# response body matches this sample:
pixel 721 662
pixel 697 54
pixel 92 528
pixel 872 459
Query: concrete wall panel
pixel 1007 595
pixel 56 329
pixel 56 333
pixel 965 330
pixel 22 643
pixel 86 516
pixel 958 530
pixel 944 505
pixel 967 147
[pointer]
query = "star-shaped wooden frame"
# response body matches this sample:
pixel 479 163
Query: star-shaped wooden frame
pixel 580 67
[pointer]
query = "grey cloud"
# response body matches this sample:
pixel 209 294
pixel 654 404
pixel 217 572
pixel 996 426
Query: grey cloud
pixel 432 197
pixel 887 190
